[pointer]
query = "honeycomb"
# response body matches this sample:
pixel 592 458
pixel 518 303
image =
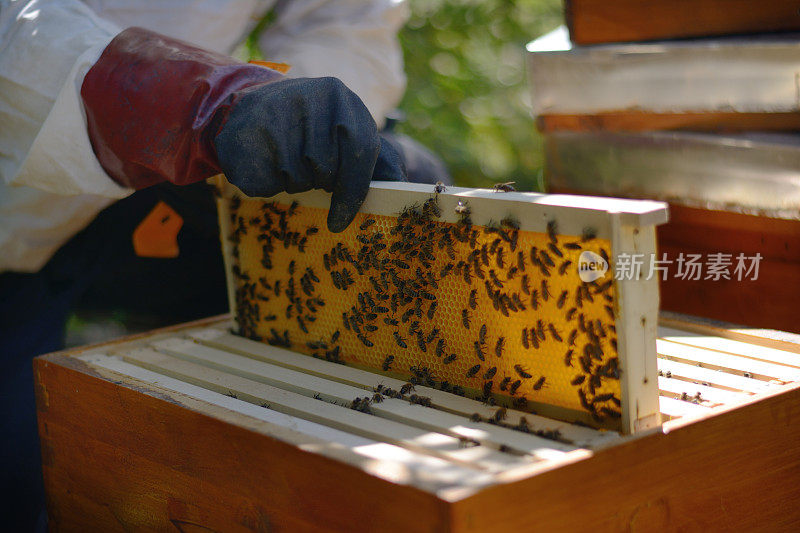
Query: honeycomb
pixel 490 312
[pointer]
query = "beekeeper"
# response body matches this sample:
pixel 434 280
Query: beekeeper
pixel 101 98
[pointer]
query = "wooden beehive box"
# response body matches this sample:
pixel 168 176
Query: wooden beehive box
pixel 726 84
pixel 470 291
pixel 196 429
pixel 599 21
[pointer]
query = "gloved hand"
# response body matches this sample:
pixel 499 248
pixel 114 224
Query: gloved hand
pixel 160 110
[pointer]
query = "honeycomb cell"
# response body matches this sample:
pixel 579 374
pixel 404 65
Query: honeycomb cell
pixel 495 313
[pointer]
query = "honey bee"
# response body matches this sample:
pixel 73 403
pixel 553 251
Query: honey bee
pixel 554 332
pixel 432 309
pixel 577 380
pixel 424 401
pixel 555 250
pixel 495 279
pixel 540 329
pixel 365 341
pixel 562 299
pixel 520 403
pixel 573 335
pixel 302 324
pixel 613 413
pixel 449 359
pixel 539 383
pixel 421 342
pixel 517 302
pixel 500 258
pixel 482 334
pixel 552 228
pixel 387 363
pixel 499 415
pixel 534 339
pixel 399 340
pixel 521 372
pixel 515 386
pixel 603 287
pixel 602 397
pixel 465 318
pixel 490 373
pixel 546 258
pixel 498 348
pixel 479 351
pixel 504 187
pixel 440 348
pixel 568 357
pixel 545 290
pixel 525 342
pixel 504 383
pixel 474 370
pixel 535 299
pixel 405 389
pixel 564 266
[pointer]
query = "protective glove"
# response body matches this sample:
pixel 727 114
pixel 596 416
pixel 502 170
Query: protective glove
pixel 161 110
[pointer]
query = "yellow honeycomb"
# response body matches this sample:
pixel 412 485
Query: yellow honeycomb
pixel 490 312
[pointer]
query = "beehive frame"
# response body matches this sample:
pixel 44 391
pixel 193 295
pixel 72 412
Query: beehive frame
pixel 628 226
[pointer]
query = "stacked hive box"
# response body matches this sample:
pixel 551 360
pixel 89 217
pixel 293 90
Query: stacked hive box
pixel 706 124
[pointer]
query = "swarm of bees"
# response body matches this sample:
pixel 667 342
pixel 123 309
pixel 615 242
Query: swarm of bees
pixel 386 285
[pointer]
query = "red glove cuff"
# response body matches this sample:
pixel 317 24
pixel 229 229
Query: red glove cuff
pixel 153 105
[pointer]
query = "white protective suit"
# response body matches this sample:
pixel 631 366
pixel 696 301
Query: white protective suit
pixel 51 184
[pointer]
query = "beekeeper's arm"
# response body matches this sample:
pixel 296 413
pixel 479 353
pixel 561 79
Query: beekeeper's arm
pixel 159 110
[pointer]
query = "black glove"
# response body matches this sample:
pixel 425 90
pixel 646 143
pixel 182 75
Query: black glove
pixel 306 133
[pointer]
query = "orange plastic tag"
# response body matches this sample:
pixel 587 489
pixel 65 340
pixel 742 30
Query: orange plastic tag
pixel 283 68
pixel 157 234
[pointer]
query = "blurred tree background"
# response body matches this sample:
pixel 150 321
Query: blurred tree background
pixel 468 97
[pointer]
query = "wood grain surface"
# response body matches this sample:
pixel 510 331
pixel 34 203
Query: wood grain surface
pixel 604 21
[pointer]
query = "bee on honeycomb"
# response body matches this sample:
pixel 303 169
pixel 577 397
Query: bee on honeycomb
pixel 495 312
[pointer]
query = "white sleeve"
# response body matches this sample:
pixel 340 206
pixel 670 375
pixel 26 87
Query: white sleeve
pixel 353 40
pixel 47 48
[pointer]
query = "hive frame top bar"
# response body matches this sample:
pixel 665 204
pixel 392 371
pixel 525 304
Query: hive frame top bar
pixel 533 210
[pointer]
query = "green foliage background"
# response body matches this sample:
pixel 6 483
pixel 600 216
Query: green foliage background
pixel 468 97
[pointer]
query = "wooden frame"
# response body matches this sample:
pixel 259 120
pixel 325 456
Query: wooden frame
pixel 125 447
pixel 768 302
pixel 636 120
pixel 599 21
pixel 628 225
